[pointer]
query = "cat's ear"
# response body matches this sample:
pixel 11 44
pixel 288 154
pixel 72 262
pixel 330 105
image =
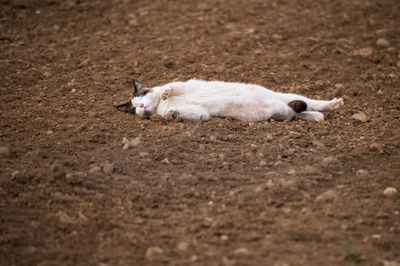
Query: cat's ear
pixel 137 87
pixel 126 107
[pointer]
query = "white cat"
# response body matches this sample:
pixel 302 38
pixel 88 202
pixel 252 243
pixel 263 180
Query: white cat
pixel 201 100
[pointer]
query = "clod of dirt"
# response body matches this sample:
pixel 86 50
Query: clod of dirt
pixel 362 173
pixel 75 178
pixel 128 143
pixel 360 117
pixel 108 168
pixel 166 161
pixel 376 147
pixel 276 37
pixel 329 161
pixel 55 166
pixel 94 170
pixel 153 252
pixel 5 152
pixel 64 218
pixel 241 251
pixel 328 195
pixel 364 52
pixel 182 246
pixel 382 42
pixel 390 191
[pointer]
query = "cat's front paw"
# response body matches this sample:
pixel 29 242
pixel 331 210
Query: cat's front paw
pixel 172 114
pixel 336 104
pixel 166 94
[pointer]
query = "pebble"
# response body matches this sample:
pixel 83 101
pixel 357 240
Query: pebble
pixel 128 143
pixel 5 152
pixel 360 116
pixel 15 174
pixel 166 161
pixel 382 42
pixel 108 168
pixel 329 161
pixel 55 166
pixel 376 147
pixel 152 252
pixel 390 191
pixel 241 251
pixel 328 195
pixel 182 246
pixel 362 173
pixel 64 218
pixel 94 170
pixel 276 37
pixel 364 52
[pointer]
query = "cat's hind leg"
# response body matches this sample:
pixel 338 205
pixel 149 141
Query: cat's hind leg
pixel 311 116
pixel 312 105
pixel 188 113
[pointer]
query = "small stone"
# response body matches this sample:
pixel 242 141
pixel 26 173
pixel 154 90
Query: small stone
pixel 391 263
pixel 360 116
pixel 292 172
pixel 55 166
pixel 182 246
pixel 64 218
pixel 329 161
pixel 144 154
pixel 398 64
pixel 108 168
pixel 5 152
pixel 220 69
pixel 49 132
pixel 94 170
pixel 339 86
pixel 382 42
pixel 224 238
pixel 375 236
pixel 376 147
pixel 213 138
pixel 276 37
pixel 364 52
pixel 166 161
pixel 73 90
pixel 241 251
pixel 152 252
pixel 128 143
pixel 379 92
pixel 390 191
pixel 328 195
pixel 362 173
pixel 15 174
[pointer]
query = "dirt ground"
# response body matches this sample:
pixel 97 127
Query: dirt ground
pixel 222 192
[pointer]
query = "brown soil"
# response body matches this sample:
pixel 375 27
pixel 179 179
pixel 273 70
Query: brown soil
pixel 222 192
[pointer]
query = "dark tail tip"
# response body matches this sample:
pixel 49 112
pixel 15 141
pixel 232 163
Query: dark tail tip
pixel 298 105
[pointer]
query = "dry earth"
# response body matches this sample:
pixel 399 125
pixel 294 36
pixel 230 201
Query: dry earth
pixel 222 192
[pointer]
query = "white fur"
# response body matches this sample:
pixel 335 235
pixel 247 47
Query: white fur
pixel 201 100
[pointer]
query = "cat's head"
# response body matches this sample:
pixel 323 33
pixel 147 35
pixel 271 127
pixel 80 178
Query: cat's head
pixel 141 102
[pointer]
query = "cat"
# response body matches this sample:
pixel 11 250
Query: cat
pixel 202 100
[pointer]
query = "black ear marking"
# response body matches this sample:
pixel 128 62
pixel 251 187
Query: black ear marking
pixel 137 87
pixel 125 107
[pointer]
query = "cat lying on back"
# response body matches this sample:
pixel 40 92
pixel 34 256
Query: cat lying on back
pixel 201 100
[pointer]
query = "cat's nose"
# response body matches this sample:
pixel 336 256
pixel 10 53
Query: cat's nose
pixel 141 105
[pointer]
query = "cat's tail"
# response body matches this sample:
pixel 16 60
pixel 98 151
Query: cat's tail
pixel 298 105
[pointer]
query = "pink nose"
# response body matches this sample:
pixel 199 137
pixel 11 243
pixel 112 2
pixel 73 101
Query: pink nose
pixel 141 105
